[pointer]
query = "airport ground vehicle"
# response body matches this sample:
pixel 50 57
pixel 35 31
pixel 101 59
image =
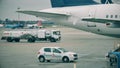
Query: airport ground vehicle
pixel 31 35
pixel 114 58
pixel 56 53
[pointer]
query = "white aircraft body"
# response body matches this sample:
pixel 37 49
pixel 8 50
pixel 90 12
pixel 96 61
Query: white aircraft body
pixel 103 19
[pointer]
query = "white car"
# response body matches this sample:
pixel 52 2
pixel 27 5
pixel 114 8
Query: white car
pixel 56 53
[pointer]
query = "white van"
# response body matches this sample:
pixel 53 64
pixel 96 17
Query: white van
pixel 56 53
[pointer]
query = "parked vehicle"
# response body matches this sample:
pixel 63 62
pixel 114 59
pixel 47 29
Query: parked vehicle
pixel 114 58
pixel 56 53
pixel 31 35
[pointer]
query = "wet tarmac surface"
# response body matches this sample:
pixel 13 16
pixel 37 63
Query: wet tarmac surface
pixel 91 49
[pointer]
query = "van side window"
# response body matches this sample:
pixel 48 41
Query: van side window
pixel 56 51
pixel 47 49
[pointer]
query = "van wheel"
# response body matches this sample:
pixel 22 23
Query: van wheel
pixel 41 59
pixel 65 59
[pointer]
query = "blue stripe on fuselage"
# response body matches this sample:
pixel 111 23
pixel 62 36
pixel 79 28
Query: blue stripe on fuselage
pixel 65 3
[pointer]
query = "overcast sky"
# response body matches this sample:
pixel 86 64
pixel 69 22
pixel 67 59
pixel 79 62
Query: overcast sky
pixel 8 8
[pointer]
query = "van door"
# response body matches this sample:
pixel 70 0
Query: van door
pixel 48 53
pixel 57 54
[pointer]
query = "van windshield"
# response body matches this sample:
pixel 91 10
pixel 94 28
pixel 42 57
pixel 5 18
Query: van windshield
pixel 62 49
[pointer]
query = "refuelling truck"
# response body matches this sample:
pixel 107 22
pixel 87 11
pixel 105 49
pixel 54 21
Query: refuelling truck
pixel 31 35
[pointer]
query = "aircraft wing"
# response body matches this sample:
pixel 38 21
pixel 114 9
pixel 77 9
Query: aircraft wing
pixel 44 14
pixel 100 20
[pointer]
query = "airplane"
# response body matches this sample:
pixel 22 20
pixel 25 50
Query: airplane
pixel 87 15
pixel 38 24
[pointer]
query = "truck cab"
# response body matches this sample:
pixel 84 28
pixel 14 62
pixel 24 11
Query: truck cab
pixel 56 35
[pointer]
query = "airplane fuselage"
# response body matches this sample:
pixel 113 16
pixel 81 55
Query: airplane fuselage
pixel 77 13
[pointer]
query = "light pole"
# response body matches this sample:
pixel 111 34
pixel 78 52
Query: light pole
pixel 18 15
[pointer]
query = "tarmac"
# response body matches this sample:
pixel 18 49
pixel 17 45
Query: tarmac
pixel 90 47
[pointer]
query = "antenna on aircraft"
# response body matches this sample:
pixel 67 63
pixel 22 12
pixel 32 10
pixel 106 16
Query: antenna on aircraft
pixel 106 1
